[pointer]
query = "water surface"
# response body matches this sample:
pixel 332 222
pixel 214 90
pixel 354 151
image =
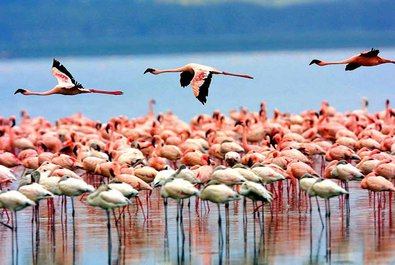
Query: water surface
pixel 291 236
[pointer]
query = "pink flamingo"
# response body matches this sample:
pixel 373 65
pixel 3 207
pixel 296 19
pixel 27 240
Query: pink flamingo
pixel 67 85
pixel 199 76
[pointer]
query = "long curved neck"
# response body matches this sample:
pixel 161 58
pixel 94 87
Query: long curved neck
pixel 44 93
pixel 176 70
pixel 244 138
pixel 336 62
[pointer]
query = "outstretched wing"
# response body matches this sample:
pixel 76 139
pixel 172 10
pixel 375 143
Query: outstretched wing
pixel 352 66
pixel 200 84
pixel 186 78
pixel 63 76
pixel 371 53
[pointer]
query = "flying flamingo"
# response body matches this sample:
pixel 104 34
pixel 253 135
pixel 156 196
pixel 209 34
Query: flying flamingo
pixel 67 85
pixel 199 76
pixel 365 58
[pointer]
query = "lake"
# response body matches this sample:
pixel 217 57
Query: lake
pixel 285 81
pixel 291 236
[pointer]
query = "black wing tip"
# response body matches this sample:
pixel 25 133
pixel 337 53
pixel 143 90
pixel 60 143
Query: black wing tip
pixel 55 63
pixel 186 78
pixel 203 100
pixel 352 66
pixel 372 53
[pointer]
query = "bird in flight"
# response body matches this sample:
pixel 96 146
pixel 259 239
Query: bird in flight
pixel 67 85
pixel 365 58
pixel 199 76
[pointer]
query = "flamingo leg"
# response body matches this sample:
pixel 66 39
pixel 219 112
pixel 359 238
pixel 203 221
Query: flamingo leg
pixel 109 236
pixel 72 207
pixel 319 211
pixel 6 225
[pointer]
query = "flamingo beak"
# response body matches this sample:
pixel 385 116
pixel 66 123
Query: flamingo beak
pixel 315 61
pixel 20 90
pixel 149 70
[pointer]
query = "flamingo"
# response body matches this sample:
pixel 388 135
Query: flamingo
pixel 256 192
pixel 305 182
pixel 14 201
pixel 365 58
pixel 178 189
pixel 72 187
pixel 67 85
pixel 6 175
pixel 377 183
pixel 199 76
pixel 35 192
pixel 326 189
pixel 218 193
pixel 107 199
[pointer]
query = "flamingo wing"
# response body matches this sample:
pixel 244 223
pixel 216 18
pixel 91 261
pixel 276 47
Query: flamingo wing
pixel 371 53
pixel 63 76
pixel 352 66
pixel 200 84
pixel 186 78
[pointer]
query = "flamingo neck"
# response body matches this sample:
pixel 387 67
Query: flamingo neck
pixel 45 93
pixel 176 70
pixel 329 63
pixel 244 138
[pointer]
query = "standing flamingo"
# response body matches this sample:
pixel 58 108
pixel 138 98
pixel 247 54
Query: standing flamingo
pixel 365 58
pixel 199 76
pixel 326 189
pixel 14 201
pixel 67 85
pixel 107 199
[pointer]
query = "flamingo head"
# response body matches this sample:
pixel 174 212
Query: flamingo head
pixel 315 61
pixel 150 70
pixel 20 90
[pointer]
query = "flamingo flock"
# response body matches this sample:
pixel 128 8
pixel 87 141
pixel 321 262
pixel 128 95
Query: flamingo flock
pixel 215 158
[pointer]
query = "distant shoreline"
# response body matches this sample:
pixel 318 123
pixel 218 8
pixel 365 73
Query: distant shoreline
pixel 177 45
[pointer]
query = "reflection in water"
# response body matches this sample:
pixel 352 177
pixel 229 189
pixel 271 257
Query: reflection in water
pixel 285 232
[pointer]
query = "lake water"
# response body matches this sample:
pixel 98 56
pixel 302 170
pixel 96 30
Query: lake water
pixel 284 80
pixel 292 236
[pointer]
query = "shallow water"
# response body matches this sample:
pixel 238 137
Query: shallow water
pixel 292 235
pixel 286 82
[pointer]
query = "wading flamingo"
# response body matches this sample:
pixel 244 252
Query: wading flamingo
pixel 256 192
pixel 107 199
pixel 67 85
pixel 14 201
pixel 72 187
pixel 218 193
pixel 365 58
pixel 326 189
pixel 199 76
